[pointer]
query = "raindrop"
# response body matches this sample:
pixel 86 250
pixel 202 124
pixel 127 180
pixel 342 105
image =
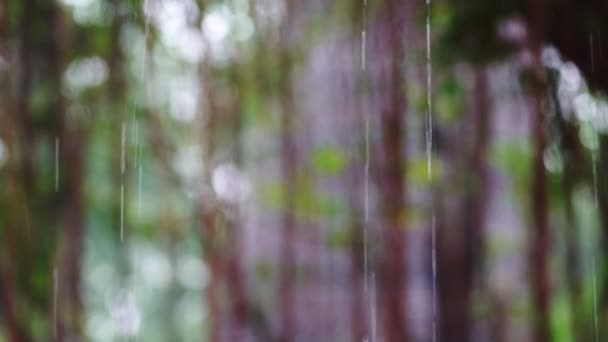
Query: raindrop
pixel 429 126
pixel 594 279
pixel 434 268
pixel 122 149
pixel 122 185
pixel 56 164
pixel 122 212
pixel 373 307
pixel 55 289
pixel 363 35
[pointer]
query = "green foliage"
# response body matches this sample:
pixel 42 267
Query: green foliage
pixel 515 158
pixel 339 238
pixel 417 171
pixel 449 100
pixel 561 318
pixel 309 203
pixel 330 161
pixel 472 32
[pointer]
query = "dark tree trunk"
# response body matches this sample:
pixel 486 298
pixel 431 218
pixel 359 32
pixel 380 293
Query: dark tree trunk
pixel 477 193
pixel 71 145
pixel 393 270
pixel 288 174
pixel 116 92
pixel 234 273
pixel 540 235
pixel 210 212
pixel 8 295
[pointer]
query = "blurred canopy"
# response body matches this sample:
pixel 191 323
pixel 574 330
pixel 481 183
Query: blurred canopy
pixel 281 170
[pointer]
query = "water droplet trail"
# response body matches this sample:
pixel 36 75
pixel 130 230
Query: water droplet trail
pixel 429 149
pixel 56 164
pixel 55 289
pixel 122 185
pixel 429 123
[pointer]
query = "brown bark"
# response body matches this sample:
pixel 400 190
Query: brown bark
pixel 71 146
pixel 477 199
pixel 461 241
pixel 211 217
pixel 70 309
pixel 241 308
pixel 288 165
pixel 27 135
pixel 540 235
pixel 393 272
pixel 210 211
pixel 356 181
pixel 8 295
pixel 288 168
pixel 358 325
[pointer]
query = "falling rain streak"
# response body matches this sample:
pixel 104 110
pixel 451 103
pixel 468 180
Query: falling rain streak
pixel 369 293
pixel 373 307
pixel 594 280
pixel 55 289
pixel 429 148
pixel 363 36
pixel 122 185
pixel 56 164
pixel 122 212
pixel 429 123
pixel 595 139
pixel 145 99
pixel 434 270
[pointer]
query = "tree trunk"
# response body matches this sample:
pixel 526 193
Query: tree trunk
pixel 210 211
pixel 8 295
pixel 71 156
pixel 288 168
pixel 393 272
pixel 540 237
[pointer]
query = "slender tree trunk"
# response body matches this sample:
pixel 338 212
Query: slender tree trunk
pixel 8 294
pixel 210 211
pixel 234 275
pixel 288 161
pixel 461 245
pixel 288 168
pixel 211 217
pixel 358 325
pixel 356 181
pixel 393 272
pixel 540 240
pixel 477 202
pixel 71 146
pixel 540 235
pixel 27 141
pixel 540 244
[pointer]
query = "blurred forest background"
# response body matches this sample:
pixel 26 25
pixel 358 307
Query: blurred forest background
pixel 319 170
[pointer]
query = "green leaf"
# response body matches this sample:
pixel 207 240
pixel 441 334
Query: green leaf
pixel 417 171
pixel 329 160
pixel 337 239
